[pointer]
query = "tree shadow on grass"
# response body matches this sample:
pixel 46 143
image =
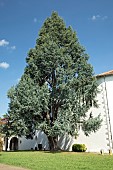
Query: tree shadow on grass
pixel 55 152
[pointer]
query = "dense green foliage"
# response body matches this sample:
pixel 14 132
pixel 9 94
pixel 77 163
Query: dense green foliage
pixel 58 161
pixel 57 87
pixel 79 148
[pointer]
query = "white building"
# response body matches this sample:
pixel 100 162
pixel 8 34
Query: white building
pixel 102 139
pixel 96 141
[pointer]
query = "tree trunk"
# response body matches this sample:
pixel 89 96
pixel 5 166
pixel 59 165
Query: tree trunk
pixel 53 143
pixel 6 143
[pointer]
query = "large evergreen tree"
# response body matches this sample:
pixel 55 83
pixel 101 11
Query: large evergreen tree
pixel 58 86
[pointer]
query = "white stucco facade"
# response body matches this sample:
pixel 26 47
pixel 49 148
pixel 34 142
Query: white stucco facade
pixel 102 139
pixel 21 143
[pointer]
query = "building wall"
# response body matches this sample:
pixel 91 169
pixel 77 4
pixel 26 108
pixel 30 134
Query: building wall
pixel 102 139
pixel 39 138
pixel 109 86
pixel 28 144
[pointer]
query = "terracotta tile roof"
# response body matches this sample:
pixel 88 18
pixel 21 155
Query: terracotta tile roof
pixel 108 73
pixel 3 121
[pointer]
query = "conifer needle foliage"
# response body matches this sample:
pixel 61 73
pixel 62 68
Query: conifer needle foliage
pixel 57 88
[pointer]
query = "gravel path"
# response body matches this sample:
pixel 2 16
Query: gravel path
pixel 9 167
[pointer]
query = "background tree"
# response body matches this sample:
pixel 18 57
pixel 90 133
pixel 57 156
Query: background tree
pixel 5 130
pixel 58 86
pixel 1 141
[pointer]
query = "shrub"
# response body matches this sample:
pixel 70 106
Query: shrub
pixel 79 148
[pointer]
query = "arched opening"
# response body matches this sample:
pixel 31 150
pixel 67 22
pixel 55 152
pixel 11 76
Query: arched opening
pixel 14 143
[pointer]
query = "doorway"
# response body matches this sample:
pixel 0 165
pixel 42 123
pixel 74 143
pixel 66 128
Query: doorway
pixel 14 143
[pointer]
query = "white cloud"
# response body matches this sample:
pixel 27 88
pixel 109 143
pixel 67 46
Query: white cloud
pixel 95 17
pixel 4 42
pixel 4 65
pixel 35 20
pixel 105 17
pixel 13 47
pixel 98 17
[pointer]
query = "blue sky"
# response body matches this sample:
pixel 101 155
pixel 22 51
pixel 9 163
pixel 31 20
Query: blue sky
pixel 21 20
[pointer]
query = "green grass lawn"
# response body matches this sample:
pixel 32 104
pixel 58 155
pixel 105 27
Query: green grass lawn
pixel 36 160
